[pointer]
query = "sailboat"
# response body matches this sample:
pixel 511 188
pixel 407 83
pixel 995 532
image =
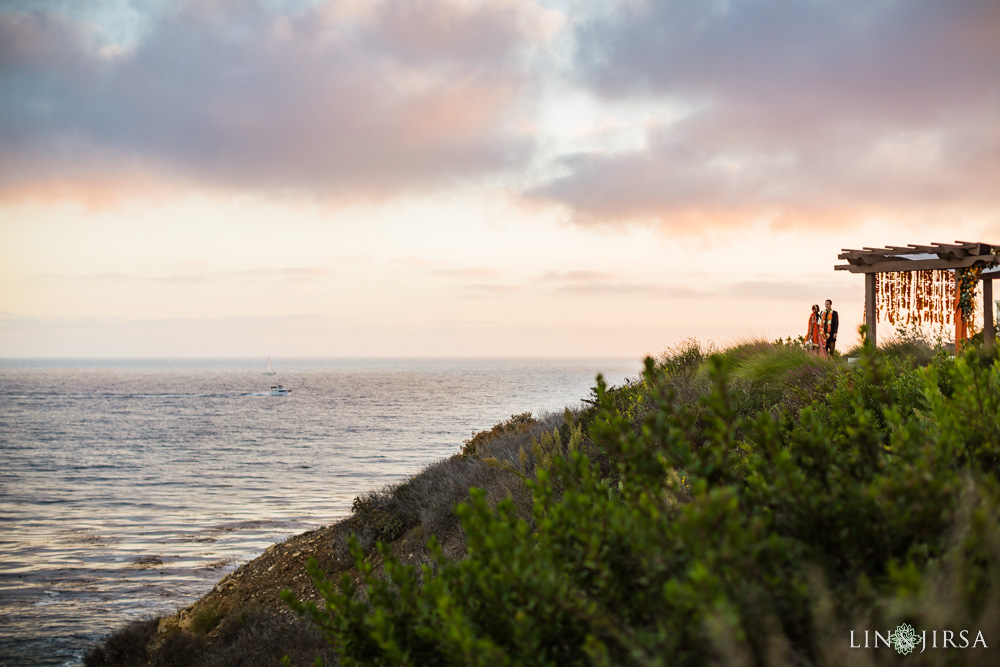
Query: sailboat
pixel 269 371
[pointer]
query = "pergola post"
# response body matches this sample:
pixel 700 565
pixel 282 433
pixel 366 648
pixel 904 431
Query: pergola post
pixel 989 331
pixel 960 332
pixel 871 305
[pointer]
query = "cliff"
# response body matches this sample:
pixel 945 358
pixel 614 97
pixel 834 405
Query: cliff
pixel 755 506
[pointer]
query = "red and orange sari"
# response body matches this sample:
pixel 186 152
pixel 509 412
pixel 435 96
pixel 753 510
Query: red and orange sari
pixel 815 340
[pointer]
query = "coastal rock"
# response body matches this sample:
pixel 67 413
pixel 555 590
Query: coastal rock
pixel 167 625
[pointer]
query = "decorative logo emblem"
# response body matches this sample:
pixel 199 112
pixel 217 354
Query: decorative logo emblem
pixel 904 639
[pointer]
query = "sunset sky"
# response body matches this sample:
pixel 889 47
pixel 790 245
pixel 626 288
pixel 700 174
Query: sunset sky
pixel 475 177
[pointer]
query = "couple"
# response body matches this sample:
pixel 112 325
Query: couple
pixel 821 337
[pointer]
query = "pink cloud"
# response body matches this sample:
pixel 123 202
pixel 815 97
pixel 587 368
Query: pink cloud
pixel 360 100
pixel 803 113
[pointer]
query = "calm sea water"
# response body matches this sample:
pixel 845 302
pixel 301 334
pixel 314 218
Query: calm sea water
pixel 129 488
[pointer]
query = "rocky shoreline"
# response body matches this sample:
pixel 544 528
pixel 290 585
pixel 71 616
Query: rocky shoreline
pixel 248 596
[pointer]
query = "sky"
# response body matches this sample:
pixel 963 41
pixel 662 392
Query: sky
pixel 588 178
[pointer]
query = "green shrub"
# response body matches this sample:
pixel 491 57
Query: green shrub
pixel 517 424
pixel 701 533
pixel 206 619
pixel 379 512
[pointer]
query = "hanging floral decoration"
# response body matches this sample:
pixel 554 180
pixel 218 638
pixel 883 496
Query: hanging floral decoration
pixel 968 288
pixel 919 298
pixel 968 285
pixel 916 297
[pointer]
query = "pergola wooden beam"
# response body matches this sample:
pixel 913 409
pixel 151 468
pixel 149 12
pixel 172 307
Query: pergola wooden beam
pixel 957 250
pixel 895 264
pixel 934 257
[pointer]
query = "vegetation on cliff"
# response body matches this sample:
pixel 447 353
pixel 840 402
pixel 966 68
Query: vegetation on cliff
pixel 752 506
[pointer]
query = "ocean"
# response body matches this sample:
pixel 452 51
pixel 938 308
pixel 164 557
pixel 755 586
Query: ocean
pixel 128 488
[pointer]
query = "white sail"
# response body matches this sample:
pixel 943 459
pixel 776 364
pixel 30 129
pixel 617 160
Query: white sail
pixel 269 371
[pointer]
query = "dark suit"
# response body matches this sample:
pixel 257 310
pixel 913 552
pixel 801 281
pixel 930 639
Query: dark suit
pixel 830 325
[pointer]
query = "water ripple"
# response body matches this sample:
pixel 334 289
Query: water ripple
pixel 128 488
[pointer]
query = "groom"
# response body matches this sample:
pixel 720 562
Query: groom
pixel 831 322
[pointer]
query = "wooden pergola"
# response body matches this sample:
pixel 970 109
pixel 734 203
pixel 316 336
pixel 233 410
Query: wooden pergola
pixel 934 257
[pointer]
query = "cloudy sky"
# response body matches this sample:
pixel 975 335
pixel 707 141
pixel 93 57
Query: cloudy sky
pixel 475 177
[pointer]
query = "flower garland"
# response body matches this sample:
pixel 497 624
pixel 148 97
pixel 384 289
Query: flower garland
pixel 918 298
pixel 915 298
pixel 968 284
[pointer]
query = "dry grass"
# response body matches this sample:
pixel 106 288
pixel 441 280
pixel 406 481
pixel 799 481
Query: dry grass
pixel 424 505
pixel 254 638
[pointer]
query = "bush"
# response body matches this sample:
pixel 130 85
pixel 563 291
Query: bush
pixel 125 647
pixel 261 638
pixel 206 619
pixel 709 535
pixel 515 426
